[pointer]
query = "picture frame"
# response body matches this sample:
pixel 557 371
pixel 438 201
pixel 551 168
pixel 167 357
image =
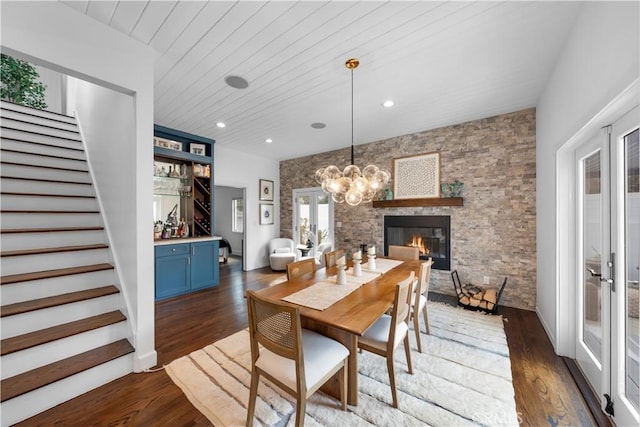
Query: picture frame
pixel 167 143
pixel 199 149
pixel 266 190
pixel 266 213
pixel 417 177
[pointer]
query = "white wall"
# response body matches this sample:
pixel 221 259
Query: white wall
pixel 223 216
pixel 53 35
pixel 53 94
pixel 599 61
pixel 235 169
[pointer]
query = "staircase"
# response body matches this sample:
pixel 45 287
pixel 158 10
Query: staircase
pixel 63 329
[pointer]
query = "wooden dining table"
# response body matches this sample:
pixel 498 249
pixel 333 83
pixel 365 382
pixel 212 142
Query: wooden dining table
pixel 348 318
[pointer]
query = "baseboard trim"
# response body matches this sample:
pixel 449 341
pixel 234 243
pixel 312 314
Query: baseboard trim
pixel 587 393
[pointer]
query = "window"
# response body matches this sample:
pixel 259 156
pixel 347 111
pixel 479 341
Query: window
pixel 237 215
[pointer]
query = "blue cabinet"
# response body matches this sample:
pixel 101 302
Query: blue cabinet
pixel 185 267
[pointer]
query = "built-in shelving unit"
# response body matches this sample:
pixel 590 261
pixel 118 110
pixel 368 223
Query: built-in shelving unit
pixel 405 203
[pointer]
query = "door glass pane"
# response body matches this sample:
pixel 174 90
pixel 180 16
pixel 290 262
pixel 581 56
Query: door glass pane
pixel 591 237
pixel 304 219
pixel 323 218
pixel 632 242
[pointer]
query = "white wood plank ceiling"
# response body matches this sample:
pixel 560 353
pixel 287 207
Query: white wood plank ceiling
pixel 441 62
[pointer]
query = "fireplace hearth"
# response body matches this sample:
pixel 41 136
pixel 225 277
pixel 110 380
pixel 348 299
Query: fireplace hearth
pixel 430 233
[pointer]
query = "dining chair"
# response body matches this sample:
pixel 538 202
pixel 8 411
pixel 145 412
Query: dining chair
pixel 298 268
pixel 297 360
pixel 330 258
pixel 384 336
pixel 408 253
pixel 419 300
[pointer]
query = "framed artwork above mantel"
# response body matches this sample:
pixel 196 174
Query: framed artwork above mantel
pixel 416 177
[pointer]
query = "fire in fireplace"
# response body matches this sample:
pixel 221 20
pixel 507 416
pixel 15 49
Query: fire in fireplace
pixel 430 234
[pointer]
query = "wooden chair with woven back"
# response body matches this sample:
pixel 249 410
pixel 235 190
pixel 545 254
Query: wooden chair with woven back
pixel 408 253
pixel 384 336
pixel 330 258
pixel 297 360
pixel 476 298
pixel 419 300
pixel 298 268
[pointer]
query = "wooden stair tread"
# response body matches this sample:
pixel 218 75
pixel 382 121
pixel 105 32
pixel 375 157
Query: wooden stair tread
pixel 56 300
pixel 43 336
pixel 31 211
pixel 3 138
pixel 58 168
pixel 53 250
pixel 47 274
pixel 58 181
pixel 9 150
pixel 49 230
pixel 71 196
pixel 40 377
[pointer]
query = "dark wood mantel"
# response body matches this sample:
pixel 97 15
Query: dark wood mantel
pixel 405 203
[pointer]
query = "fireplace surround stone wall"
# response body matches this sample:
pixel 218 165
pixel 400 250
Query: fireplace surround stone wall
pixel 493 234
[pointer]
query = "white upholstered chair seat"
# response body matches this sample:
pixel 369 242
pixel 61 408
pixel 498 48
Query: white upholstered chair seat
pixel 422 301
pixel 378 334
pixel 321 355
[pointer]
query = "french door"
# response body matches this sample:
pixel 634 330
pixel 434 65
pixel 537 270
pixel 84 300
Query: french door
pixel 312 217
pixel 608 233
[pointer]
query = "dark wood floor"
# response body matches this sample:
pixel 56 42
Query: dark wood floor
pixel 546 394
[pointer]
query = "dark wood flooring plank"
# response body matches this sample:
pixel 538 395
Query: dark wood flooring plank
pixel 23 383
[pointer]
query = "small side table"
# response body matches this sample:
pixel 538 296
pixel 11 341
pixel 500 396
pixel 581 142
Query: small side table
pixel 304 250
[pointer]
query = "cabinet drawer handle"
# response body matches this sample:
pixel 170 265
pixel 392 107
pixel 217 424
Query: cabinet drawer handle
pixel 173 249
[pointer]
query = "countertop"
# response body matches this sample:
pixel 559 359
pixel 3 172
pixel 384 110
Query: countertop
pixel 178 241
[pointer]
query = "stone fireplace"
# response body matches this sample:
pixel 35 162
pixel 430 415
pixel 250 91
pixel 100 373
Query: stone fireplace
pixel 430 233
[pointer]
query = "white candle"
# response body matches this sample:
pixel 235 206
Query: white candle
pixel 371 250
pixel 341 260
pixel 357 255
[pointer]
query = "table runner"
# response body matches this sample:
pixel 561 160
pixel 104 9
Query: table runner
pixel 325 293
pixel 382 265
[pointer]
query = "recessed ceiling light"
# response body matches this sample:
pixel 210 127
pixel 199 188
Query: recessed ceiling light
pixel 236 82
pixel 268 140
pixel 388 103
pixel 318 125
pixel 221 125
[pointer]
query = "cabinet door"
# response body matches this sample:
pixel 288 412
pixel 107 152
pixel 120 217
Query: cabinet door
pixel 172 275
pixel 204 264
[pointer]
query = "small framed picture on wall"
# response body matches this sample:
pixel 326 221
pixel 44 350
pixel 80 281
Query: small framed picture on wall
pixel 266 213
pixel 266 190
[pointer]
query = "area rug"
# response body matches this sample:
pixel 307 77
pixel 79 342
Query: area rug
pixel 462 378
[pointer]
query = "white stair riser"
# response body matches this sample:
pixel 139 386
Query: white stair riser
pixel 28 127
pixel 15 202
pixel 44 187
pixel 7 106
pixel 9 144
pixel 44 121
pixel 36 289
pixel 36 160
pixel 33 321
pixel 43 173
pixel 21 241
pixel 35 357
pixel 54 261
pixel 37 401
pixel 27 220
pixel 43 139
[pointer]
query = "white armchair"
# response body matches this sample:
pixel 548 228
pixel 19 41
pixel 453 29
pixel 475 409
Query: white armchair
pixel 281 253
pixel 322 249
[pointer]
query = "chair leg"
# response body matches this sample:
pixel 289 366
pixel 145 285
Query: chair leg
pixel 392 379
pixel 407 352
pixel 343 384
pixel 253 392
pixel 416 328
pixel 426 319
pixel 301 408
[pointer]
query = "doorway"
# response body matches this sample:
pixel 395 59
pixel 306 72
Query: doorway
pixel 230 223
pixel 312 219
pixel 607 241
